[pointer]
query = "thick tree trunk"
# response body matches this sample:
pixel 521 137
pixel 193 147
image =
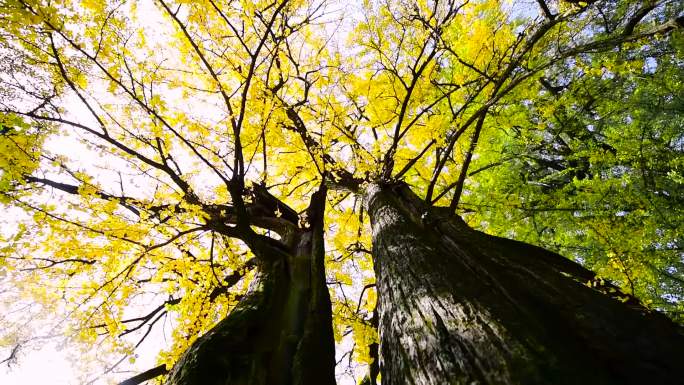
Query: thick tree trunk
pixel 281 331
pixel 458 306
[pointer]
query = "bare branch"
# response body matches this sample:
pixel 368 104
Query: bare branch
pixel 146 375
pixel 545 9
pixel 466 163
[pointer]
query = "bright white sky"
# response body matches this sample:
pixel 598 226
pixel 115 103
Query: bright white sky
pixel 46 366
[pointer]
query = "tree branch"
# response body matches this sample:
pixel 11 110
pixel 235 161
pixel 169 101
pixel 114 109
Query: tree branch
pixel 545 9
pixel 466 162
pixel 636 18
pixel 146 375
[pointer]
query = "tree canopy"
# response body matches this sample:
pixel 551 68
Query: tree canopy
pixel 150 148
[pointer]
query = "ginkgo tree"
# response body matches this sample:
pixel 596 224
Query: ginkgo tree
pixel 239 166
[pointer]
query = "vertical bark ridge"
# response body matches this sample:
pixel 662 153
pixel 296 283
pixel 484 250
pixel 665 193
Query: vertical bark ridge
pixel 315 358
pixel 457 306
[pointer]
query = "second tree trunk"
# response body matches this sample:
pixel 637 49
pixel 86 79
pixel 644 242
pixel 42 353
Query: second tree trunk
pixel 458 306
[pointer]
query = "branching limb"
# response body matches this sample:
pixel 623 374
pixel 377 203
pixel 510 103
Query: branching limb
pixel 637 17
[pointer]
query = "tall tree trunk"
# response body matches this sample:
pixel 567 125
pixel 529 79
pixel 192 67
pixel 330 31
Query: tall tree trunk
pixel 458 306
pixel 281 331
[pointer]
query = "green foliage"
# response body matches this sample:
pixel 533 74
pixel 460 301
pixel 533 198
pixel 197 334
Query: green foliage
pixel 592 168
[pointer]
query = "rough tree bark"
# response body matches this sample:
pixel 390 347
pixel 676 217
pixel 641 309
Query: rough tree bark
pixel 458 306
pixel 281 331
